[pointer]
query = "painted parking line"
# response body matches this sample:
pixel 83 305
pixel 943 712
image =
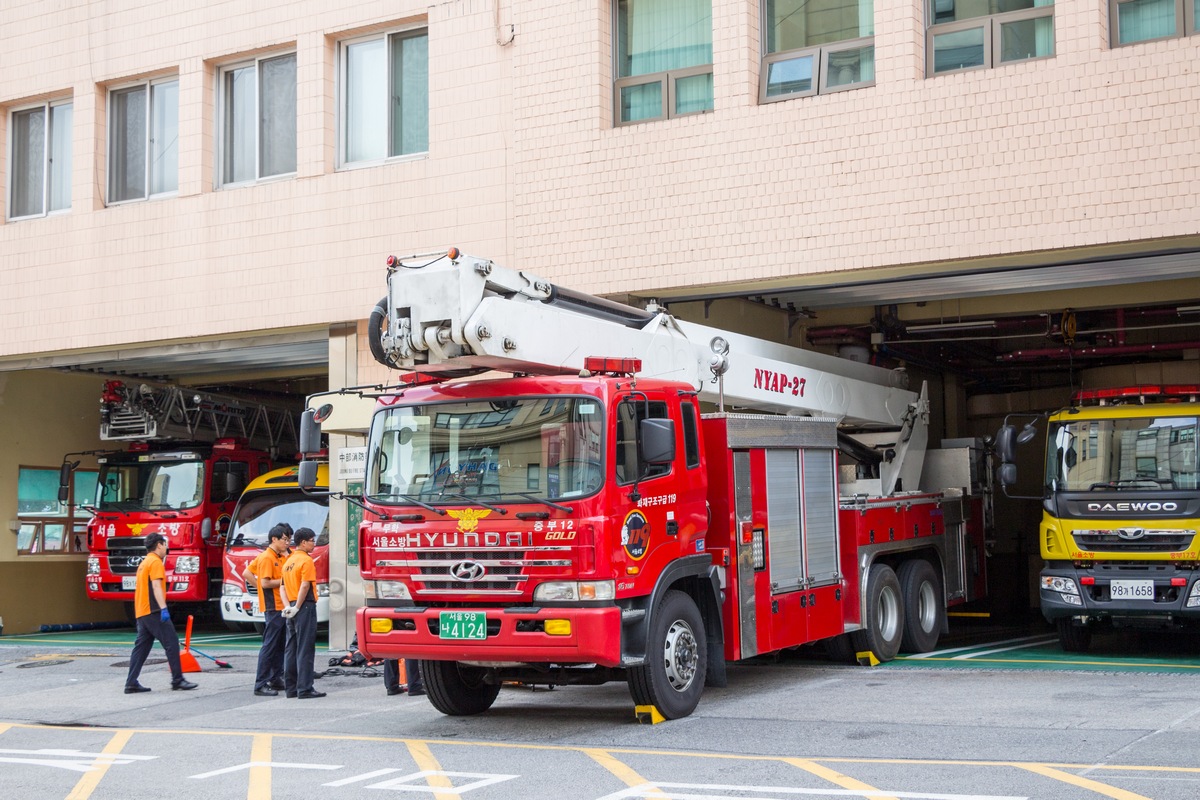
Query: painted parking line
pixel 689 791
pixel 1037 642
pixel 948 651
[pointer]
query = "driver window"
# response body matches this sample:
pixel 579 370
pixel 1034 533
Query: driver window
pixel 628 464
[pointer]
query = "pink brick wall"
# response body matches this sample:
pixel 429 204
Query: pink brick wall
pixel 1090 148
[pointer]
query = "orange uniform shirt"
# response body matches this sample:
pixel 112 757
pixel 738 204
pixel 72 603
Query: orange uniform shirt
pixel 268 565
pixel 144 601
pixel 298 569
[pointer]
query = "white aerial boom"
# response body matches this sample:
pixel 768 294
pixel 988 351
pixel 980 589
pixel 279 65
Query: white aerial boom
pixel 456 314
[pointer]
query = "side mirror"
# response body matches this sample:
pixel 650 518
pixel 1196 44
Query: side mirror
pixel 64 480
pixel 310 432
pixel 1007 474
pixel 1006 439
pixel 1027 434
pixel 307 475
pixel 658 441
pixel 233 484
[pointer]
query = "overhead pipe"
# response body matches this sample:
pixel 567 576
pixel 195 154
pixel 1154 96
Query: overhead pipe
pixel 1097 352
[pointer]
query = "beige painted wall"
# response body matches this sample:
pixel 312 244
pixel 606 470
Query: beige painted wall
pixel 44 415
pixel 1088 149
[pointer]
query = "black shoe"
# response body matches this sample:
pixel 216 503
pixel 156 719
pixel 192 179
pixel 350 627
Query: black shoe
pixel 278 686
pixel 394 690
pixel 290 694
pixel 417 692
pixel 266 692
pixel 184 684
pixel 309 695
pixel 137 687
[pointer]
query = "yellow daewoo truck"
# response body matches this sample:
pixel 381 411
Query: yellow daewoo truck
pixel 1120 510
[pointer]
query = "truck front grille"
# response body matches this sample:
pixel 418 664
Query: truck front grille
pixel 458 571
pixel 125 554
pixel 1133 540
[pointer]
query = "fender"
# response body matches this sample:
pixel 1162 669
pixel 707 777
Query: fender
pixel 702 581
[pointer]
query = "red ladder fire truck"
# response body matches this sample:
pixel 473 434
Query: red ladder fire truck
pixel 583 521
pixel 189 457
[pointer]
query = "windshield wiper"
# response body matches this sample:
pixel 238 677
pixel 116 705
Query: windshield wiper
pixel 416 502
pixel 1132 483
pixel 535 499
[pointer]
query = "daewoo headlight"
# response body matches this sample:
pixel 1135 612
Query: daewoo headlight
pixel 386 590
pixel 574 591
pixel 1194 597
pixel 1055 583
pixel 187 565
pixel 322 590
pixel 231 590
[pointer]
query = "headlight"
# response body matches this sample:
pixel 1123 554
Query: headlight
pixel 574 591
pixel 230 589
pixel 187 565
pixel 322 590
pixel 385 590
pixel 1194 597
pixel 1054 583
pixel 93 567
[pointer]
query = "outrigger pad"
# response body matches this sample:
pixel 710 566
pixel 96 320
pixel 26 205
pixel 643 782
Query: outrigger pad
pixel 648 715
pixel 867 659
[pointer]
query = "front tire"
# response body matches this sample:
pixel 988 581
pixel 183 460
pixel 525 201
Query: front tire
pixel 883 626
pixel 924 611
pixel 457 690
pixel 1073 638
pixel 672 678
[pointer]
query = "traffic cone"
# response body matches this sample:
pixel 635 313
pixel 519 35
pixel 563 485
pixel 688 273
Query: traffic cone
pixel 186 660
pixel 403 680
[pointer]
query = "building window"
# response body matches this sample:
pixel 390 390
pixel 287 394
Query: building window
pixel 664 59
pixel 816 47
pixel 46 526
pixel 40 159
pixel 974 34
pixel 143 140
pixel 385 96
pixel 257 119
pixel 1145 20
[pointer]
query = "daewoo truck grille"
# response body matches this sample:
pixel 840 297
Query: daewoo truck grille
pixel 1133 540
pixel 458 571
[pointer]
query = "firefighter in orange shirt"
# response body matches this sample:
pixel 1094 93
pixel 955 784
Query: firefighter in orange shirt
pixel 153 619
pixel 300 651
pixel 266 571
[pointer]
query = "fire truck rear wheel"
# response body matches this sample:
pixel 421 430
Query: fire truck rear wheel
pixel 1073 638
pixel 923 606
pixel 676 659
pixel 883 626
pixel 458 690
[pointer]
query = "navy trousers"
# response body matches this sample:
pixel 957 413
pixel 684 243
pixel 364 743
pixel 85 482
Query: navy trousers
pixel 300 650
pixel 270 655
pixel 149 628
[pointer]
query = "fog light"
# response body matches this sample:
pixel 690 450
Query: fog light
pixel 1071 599
pixel 558 627
pixel 179 587
pixel 95 587
pixel 381 625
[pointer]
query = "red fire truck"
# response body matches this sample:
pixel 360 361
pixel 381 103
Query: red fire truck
pixel 189 457
pixel 591 519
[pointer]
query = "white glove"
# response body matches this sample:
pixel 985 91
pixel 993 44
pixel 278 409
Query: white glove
pixel 289 612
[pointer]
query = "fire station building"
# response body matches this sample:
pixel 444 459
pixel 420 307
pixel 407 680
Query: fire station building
pixel 999 196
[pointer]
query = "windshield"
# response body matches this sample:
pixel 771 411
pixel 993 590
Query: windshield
pixel 1145 454
pixel 258 512
pixel 151 486
pixel 509 450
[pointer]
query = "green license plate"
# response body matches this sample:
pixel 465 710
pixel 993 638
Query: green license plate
pixel 462 625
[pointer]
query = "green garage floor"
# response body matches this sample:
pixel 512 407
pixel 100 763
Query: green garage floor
pixel 1110 651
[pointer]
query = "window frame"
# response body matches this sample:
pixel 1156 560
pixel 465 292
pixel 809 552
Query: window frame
pixel 993 25
pixel 149 84
pixel 221 113
pixel 1185 23
pixel 667 79
pixel 71 516
pixel 343 94
pixel 47 134
pixel 820 54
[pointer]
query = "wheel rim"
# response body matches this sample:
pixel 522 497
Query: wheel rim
pixel 887 618
pixel 927 609
pixel 680 655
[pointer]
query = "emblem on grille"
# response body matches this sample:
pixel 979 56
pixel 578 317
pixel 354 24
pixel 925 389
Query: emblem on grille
pixel 1130 534
pixel 133 561
pixel 468 571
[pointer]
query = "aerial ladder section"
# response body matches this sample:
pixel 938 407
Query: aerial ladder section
pixel 148 412
pixel 454 314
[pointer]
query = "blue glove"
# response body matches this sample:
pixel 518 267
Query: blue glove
pixel 164 615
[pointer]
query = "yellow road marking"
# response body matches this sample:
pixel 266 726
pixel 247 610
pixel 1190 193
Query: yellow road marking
pixel 1084 783
pixel 260 776
pixel 90 780
pixel 844 781
pixel 619 768
pixel 423 756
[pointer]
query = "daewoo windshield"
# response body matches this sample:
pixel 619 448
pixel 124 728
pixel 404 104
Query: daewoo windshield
pixel 1138 454
pixel 514 450
pixel 257 513
pixel 160 485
